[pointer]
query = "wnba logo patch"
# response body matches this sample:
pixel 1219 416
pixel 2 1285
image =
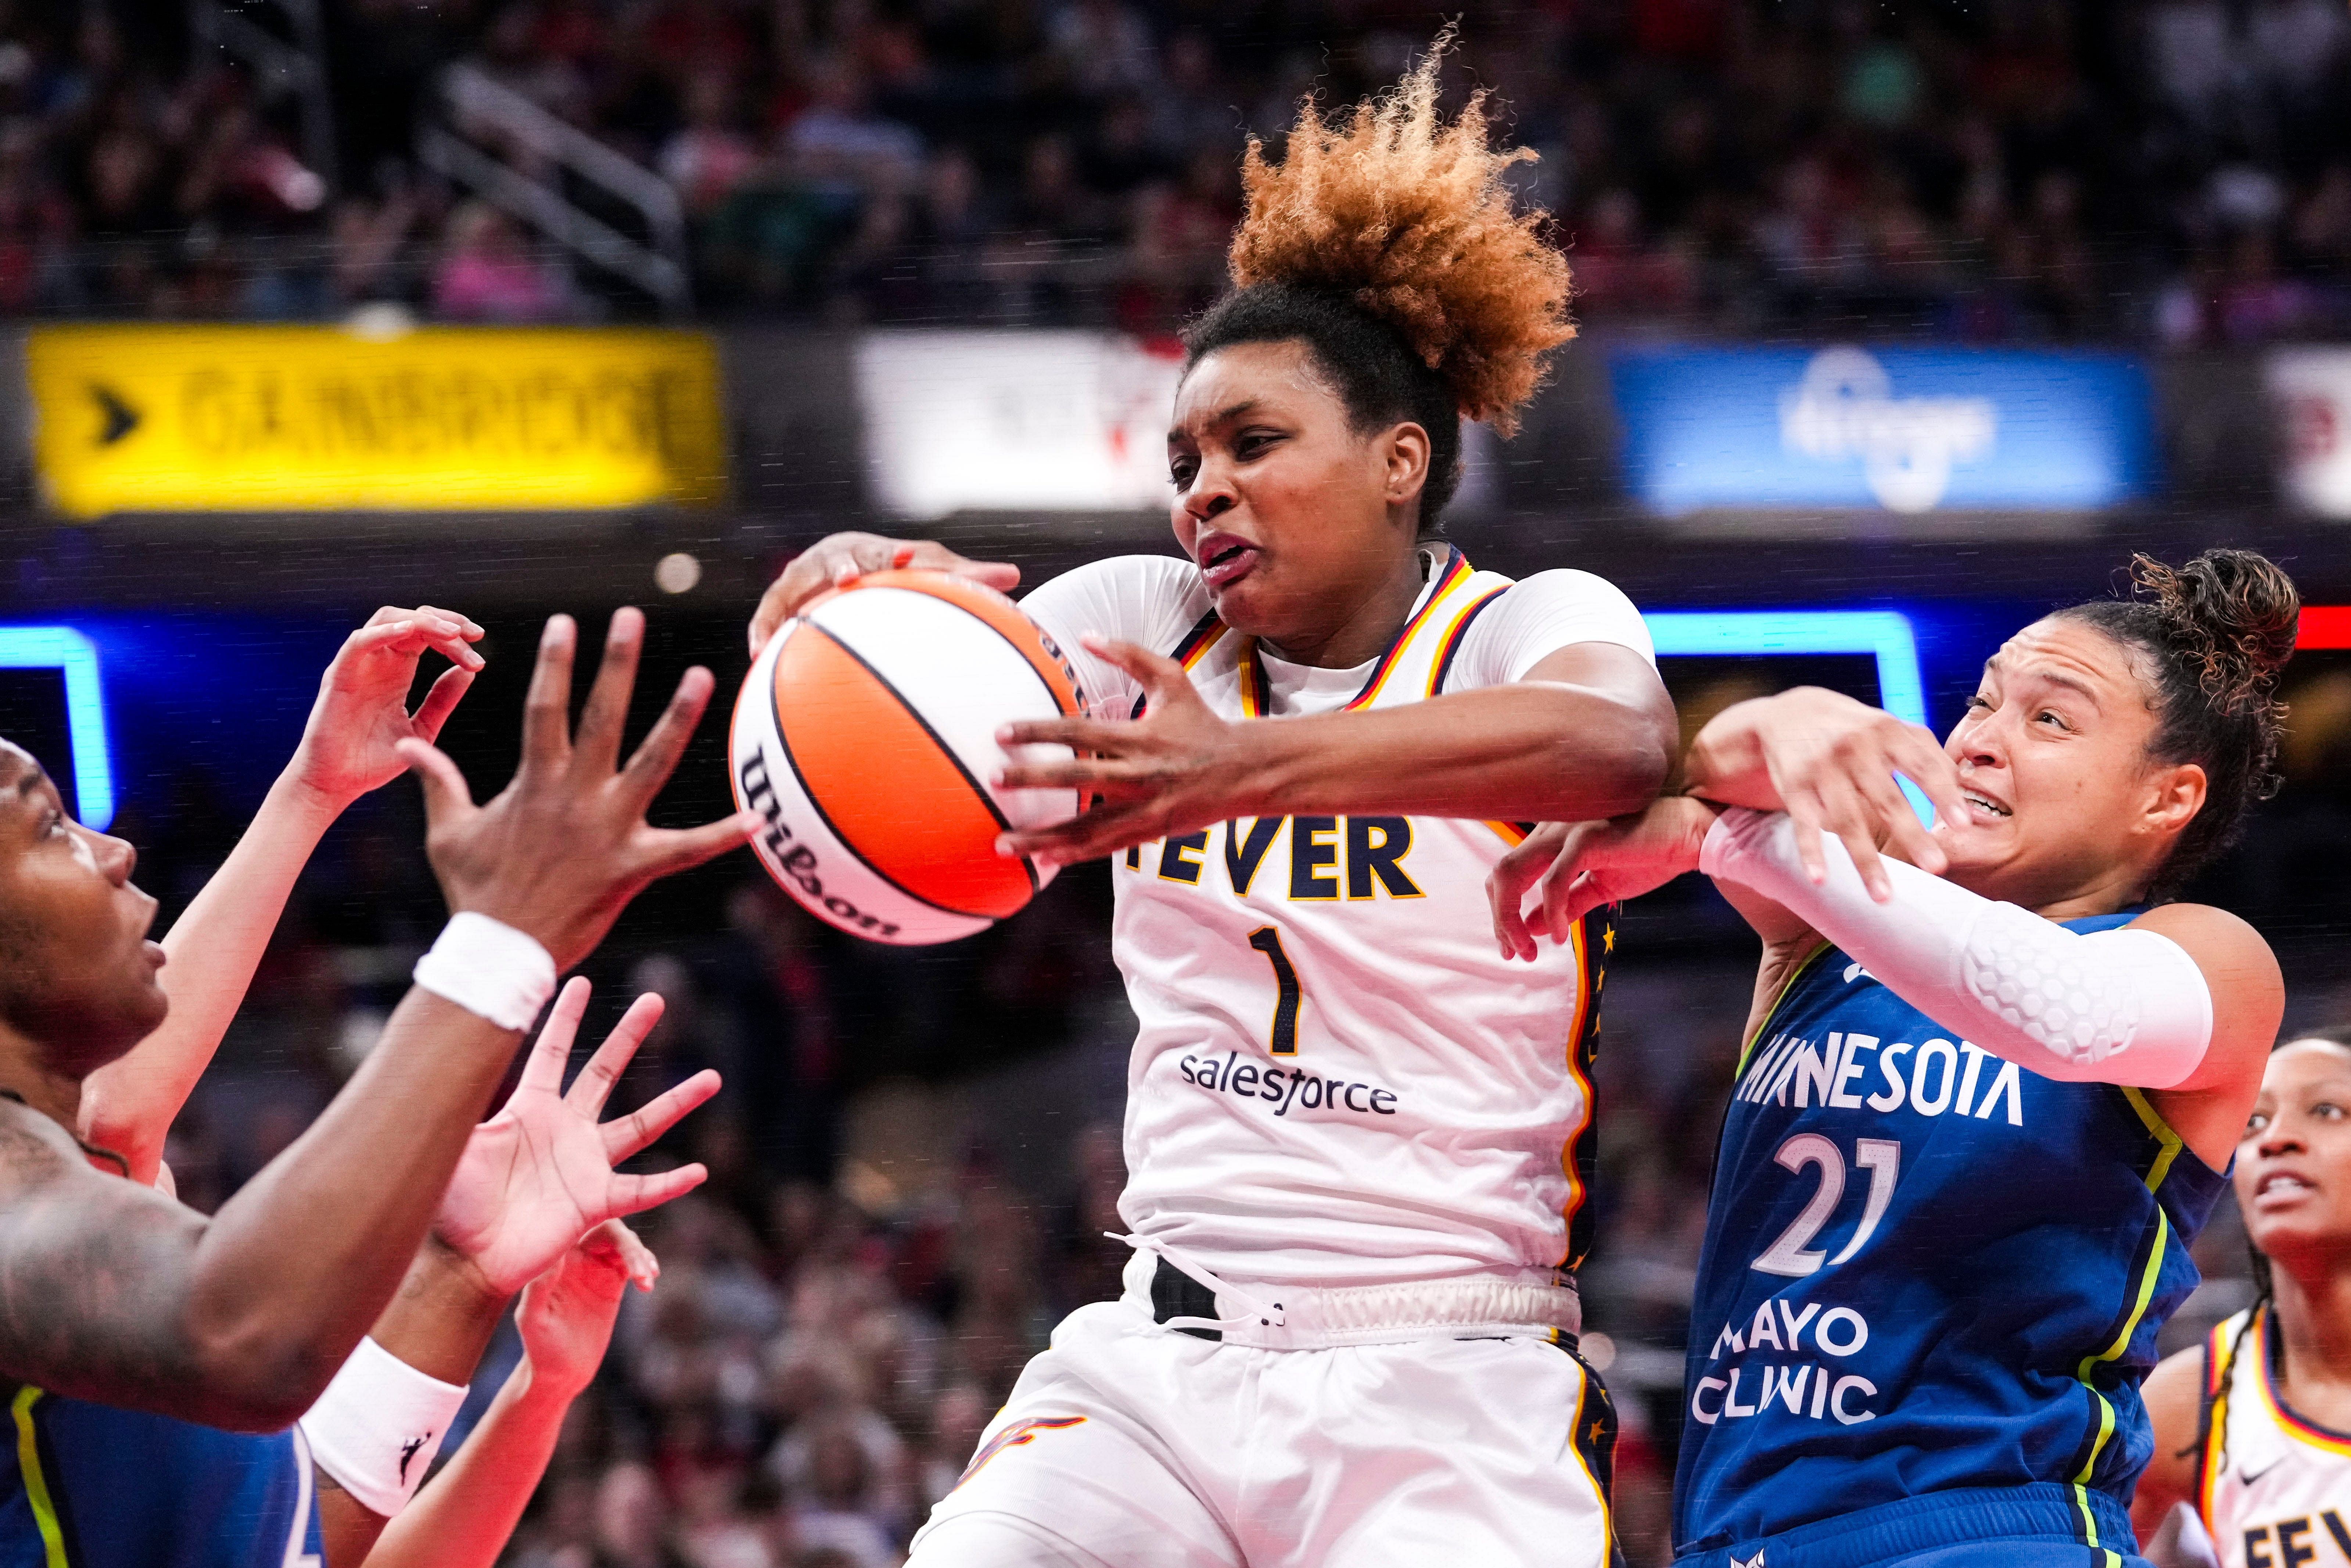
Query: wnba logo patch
pixel 1014 1437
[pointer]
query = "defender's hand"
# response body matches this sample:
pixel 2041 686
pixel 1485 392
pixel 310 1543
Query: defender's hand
pixel 840 559
pixel 1576 867
pixel 565 846
pixel 1176 769
pixel 566 1316
pixel 538 1175
pixel 350 744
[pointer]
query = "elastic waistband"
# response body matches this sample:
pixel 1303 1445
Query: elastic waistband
pixel 2044 1511
pixel 1281 1317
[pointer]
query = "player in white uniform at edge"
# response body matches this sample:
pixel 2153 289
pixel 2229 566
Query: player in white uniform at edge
pixel 1353 1129
pixel 2253 1428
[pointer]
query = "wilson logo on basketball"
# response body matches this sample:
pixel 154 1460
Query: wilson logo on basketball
pixel 796 863
pixel 865 739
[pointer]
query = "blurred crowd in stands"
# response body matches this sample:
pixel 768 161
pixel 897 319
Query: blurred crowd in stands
pixel 2158 171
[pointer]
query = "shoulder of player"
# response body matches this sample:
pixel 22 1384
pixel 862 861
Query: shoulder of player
pixel 1567 579
pixel 1551 611
pixel 33 1149
pixel 2234 956
pixel 40 1162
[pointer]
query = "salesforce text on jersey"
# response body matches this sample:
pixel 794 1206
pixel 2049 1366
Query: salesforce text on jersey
pixel 1285 1086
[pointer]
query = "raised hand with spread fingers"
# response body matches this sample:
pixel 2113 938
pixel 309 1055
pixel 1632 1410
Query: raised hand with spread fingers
pixel 349 746
pixel 560 851
pixel 539 1175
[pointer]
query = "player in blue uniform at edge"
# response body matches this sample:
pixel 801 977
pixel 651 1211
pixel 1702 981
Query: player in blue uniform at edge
pixel 155 1360
pixel 1988 1088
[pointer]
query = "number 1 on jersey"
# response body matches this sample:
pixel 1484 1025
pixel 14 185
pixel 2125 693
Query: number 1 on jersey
pixel 1267 939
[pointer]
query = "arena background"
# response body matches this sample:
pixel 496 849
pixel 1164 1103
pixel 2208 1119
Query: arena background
pixel 1900 325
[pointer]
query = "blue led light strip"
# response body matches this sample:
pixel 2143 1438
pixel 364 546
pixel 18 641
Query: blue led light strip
pixel 63 648
pixel 1884 634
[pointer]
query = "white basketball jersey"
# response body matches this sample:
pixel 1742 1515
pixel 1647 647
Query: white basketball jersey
pixel 1338 1079
pixel 2275 1490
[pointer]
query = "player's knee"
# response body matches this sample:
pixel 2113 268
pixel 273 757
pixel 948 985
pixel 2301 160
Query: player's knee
pixel 995 1540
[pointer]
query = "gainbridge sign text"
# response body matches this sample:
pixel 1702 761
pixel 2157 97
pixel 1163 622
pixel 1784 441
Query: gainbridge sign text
pixel 201 419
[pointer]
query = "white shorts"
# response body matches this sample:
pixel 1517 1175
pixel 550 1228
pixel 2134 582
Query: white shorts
pixel 1128 1445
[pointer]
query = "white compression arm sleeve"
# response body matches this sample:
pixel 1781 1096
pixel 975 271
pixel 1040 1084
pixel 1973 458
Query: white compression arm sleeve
pixel 2127 1005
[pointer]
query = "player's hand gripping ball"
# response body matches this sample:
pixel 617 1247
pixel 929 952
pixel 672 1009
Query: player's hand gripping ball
pixel 865 739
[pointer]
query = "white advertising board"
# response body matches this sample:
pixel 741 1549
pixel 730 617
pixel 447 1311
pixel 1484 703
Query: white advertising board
pixel 2312 389
pixel 1015 420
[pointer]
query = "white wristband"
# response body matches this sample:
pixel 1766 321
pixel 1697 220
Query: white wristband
pixel 378 1425
pixel 489 969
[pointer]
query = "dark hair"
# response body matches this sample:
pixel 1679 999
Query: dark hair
pixel 2214 636
pixel 1385 241
pixel 1364 358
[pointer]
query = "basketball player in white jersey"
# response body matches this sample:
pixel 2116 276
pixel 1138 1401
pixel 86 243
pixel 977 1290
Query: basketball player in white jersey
pixel 1359 1139
pixel 2253 1428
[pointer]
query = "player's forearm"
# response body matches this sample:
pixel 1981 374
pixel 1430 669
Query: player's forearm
pixel 214 948
pixel 442 1317
pixel 1535 751
pixel 464 1515
pixel 2128 1007
pixel 298 1266
pixel 436 1325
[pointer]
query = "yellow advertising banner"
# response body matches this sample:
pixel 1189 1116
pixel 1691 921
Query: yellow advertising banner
pixel 271 419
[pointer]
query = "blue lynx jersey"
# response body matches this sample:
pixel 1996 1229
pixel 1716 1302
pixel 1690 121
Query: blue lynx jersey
pixel 88 1486
pixel 1925 1269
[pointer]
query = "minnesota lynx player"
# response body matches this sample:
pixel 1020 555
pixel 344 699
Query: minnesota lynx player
pixel 1988 1090
pixel 2252 1429
pixel 1353 1129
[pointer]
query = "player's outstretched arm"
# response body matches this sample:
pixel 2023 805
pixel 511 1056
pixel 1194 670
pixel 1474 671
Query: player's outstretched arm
pixel 109 1292
pixel 839 559
pixel 347 749
pixel 535 1179
pixel 1588 733
pixel 2185 1000
pixel 1569 869
pixel 1830 763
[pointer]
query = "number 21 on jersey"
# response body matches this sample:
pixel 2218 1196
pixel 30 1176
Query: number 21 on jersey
pixel 1881 1157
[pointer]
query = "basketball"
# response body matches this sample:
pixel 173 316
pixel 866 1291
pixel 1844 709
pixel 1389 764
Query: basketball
pixel 865 736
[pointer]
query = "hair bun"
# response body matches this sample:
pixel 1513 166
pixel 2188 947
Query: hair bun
pixel 2230 611
pixel 1410 219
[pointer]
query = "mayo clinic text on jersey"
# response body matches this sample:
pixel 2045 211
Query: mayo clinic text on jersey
pixel 1814 1389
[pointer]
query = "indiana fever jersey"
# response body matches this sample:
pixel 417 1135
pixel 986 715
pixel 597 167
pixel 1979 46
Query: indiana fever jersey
pixel 2276 1490
pixel 1925 1269
pixel 88 1486
pixel 1337 1079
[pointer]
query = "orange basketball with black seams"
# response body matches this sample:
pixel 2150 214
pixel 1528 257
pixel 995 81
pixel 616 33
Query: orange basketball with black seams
pixel 865 739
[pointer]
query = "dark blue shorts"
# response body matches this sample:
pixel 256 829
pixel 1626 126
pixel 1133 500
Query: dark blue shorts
pixel 2042 1526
